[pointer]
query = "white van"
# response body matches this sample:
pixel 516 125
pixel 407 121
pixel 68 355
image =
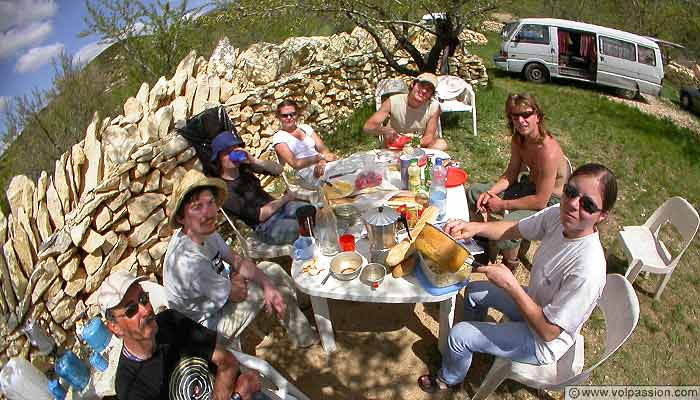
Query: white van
pixel 541 48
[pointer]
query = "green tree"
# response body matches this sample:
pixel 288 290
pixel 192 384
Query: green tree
pixel 153 35
pixel 400 19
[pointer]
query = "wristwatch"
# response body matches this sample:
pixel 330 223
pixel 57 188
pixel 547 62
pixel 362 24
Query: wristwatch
pixel 236 396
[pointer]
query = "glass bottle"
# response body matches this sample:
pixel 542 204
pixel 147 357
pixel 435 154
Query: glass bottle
pixel 414 176
pixel 327 229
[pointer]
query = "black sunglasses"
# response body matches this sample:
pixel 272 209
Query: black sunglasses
pixel 525 114
pixel 133 308
pixel 288 115
pixel 586 202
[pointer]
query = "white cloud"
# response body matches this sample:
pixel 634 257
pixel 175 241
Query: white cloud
pixel 38 57
pixel 91 50
pixel 22 37
pixel 14 13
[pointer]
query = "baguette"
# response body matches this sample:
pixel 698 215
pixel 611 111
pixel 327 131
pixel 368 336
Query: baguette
pixel 399 253
pixel 406 267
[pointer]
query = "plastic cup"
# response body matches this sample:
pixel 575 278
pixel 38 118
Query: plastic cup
pixel 100 363
pixel 73 370
pixel 347 242
pixel 96 335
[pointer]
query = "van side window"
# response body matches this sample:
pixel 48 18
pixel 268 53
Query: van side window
pixel 530 33
pixel 646 55
pixel 617 48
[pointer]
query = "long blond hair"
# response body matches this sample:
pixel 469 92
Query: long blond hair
pixel 519 101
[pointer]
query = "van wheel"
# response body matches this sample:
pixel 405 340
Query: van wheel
pixel 685 101
pixel 536 73
pixel 628 94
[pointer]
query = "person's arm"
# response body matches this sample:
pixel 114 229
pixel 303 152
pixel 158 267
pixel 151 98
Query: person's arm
pixel 270 208
pixel 286 155
pixel 321 148
pixel 494 230
pixel 502 277
pixel 226 369
pixel 489 200
pixel 375 124
pixel 247 269
pixel 544 186
pixel 268 167
pixel 430 134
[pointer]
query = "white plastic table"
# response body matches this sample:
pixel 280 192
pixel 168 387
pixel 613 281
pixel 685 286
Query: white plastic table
pixel 401 290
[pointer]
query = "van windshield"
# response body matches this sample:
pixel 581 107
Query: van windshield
pixel 508 30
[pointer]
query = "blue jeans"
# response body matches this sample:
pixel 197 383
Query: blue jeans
pixel 282 227
pixel 513 340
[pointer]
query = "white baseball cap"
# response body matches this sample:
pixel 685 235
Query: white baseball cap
pixel 114 288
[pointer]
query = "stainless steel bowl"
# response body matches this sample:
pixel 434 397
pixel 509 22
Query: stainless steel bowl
pixel 346 266
pixel 373 274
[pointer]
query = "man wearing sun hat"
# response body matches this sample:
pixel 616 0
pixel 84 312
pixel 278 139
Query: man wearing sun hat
pixel 415 113
pixel 207 282
pixel 154 345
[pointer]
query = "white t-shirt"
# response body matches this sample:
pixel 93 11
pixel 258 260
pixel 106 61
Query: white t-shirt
pixel 300 148
pixel 567 279
pixel 194 277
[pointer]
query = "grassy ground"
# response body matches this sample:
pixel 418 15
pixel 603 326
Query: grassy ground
pixel 653 160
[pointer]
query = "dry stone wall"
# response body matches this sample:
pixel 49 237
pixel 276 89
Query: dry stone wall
pixel 103 210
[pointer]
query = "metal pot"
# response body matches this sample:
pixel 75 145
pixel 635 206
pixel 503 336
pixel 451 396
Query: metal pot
pixel 381 228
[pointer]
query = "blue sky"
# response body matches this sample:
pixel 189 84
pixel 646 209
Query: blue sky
pixel 33 33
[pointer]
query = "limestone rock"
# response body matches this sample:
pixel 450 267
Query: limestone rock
pixel 264 63
pixel 76 284
pixel 60 181
pixel 223 59
pixel 143 231
pixel 94 280
pixel 116 203
pixel 226 91
pixel 55 245
pixel 158 93
pixel 47 271
pixel 93 154
pixel 122 226
pixel 78 232
pixel 77 160
pixel 63 258
pixel 148 129
pixel 29 228
pixel 20 193
pixel 19 280
pixel 175 145
pixel 190 90
pixel 214 89
pixel 41 185
pixel 180 108
pixel 117 217
pixel 63 309
pixel 124 183
pixel 5 277
pixel 142 97
pixel 53 203
pixel 136 186
pixel 184 70
pixel 127 264
pixel 163 118
pixel 143 259
pixel 43 222
pixel 23 249
pixel 111 238
pixel 118 143
pixel 141 207
pixel 103 218
pixel 142 169
pixel 133 111
pixel 158 250
pixel 92 262
pixel 111 183
pixel 186 155
pixel 93 241
pixel 69 270
pixel 152 182
pixel 201 95
pixel 238 98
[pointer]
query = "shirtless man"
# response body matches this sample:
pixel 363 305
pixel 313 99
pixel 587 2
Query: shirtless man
pixel 414 113
pixel 532 146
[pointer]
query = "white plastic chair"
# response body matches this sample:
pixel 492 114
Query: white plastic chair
pixel 620 308
pixel 456 95
pixel 644 249
pixel 285 390
pixel 256 249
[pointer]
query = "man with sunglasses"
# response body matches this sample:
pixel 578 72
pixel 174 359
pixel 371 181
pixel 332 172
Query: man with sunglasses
pixel 412 113
pixel 153 345
pixel 533 149
pixel 273 220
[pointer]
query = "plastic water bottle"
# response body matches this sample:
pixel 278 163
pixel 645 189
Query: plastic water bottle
pixel 438 192
pixel 58 392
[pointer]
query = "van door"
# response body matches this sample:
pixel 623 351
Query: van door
pixel 617 63
pixel 532 41
pixel 650 71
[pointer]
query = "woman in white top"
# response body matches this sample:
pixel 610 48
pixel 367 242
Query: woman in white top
pixel 298 144
pixel 566 281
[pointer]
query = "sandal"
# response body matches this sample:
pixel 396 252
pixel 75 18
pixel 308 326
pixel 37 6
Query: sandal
pixel 433 384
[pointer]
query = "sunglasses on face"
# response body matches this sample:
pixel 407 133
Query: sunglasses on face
pixel 288 115
pixel 586 202
pixel 524 114
pixel 133 308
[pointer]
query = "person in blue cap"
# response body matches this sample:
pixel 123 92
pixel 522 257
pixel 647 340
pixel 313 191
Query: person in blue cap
pixel 273 220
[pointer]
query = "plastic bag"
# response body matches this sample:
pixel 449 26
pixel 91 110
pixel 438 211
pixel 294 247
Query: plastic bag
pixel 20 380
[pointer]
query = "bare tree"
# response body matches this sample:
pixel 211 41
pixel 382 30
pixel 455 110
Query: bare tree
pixel 400 18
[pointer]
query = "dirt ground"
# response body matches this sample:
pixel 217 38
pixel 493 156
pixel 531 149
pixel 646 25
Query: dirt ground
pixel 662 108
pixel 381 351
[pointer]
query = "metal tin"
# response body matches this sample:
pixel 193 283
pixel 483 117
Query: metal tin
pixel 348 216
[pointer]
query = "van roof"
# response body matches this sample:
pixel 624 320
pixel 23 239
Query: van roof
pixel 582 26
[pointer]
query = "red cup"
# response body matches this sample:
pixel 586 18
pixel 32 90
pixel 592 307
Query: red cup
pixel 347 242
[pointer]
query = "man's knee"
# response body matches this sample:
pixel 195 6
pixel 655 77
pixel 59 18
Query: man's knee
pixel 459 339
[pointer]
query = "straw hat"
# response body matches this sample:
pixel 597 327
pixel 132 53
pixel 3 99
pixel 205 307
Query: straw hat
pixel 192 180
